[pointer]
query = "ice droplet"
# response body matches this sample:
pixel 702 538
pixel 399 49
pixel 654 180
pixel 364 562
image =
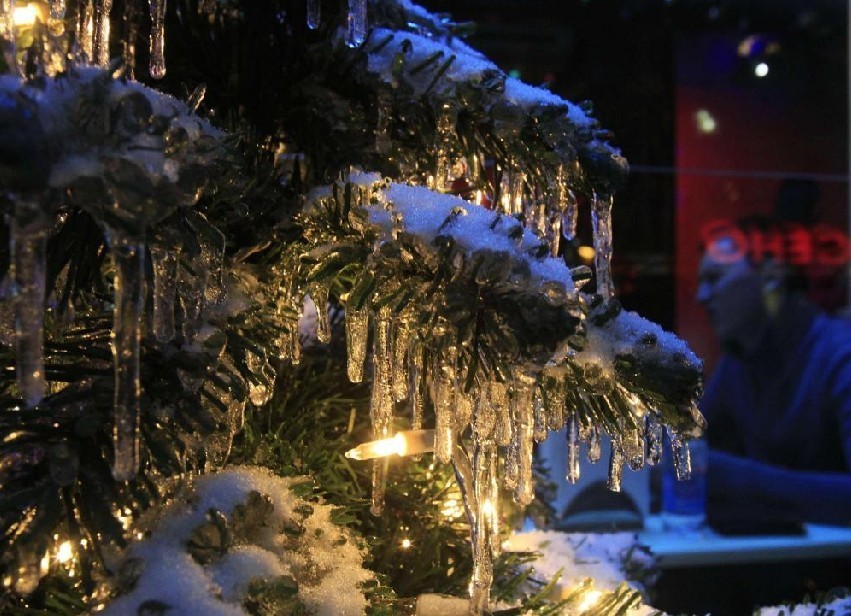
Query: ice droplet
pixel 592 441
pixel 356 23
pixel 131 20
pixel 157 61
pixel 28 241
pixel 128 255
pixel 85 30
pixel 498 399
pixel 444 132
pixel 601 221
pixel 539 431
pixel 357 334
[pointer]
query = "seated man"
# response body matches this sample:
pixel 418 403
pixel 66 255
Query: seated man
pixel 779 402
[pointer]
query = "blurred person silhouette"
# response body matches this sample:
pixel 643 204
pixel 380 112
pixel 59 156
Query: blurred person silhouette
pixel 779 401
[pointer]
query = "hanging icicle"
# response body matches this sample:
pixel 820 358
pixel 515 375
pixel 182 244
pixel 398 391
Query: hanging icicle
pixel 100 32
pixel 519 455
pixel 85 29
pixel 357 333
pixel 319 295
pixel 572 433
pixel 444 134
pixel 444 385
pixel 654 430
pixel 157 62
pixel 28 243
pixel 681 455
pixel 402 339
pixel 616 460
pixel 128 255
pixel 131 27
pixel 601 220
pixel 313 13
pixel 8 35
pixel 381 406
pixel 164 259
pixel 357 23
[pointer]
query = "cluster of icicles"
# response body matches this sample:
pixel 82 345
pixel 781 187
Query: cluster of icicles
pixel 195 294
pixel 92 30
pixel 504 419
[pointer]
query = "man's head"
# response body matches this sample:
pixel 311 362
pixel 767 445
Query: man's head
pixel 740 296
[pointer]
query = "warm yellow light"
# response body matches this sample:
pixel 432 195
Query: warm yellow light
pixel 589 600
pixel 406 543
pixel 26 14
pixel 585 252
pixel 408 443
pixel 65 552
pixel 705 121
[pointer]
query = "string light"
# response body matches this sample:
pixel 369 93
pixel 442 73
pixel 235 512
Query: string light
pixel 26 14
pixel 407 443
pixel 65 552
pixel 406 543
pixel 589 600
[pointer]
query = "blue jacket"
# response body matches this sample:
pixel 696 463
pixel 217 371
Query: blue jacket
pixel 780 421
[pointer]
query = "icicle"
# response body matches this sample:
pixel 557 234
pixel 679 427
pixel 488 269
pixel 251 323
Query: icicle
pixel 539 431
pixel 401 347
pixel 633 449
pixel 295 348
pixel 8 35
pixel 128 255
pixel 653 434
pixel 570 216
pixel 485 526
pixel 85 29
pixel 572 434
pixel 520 449
pixel 357 334
pixel 681 455
pixel 381 404
pixel 419 386
pixel 463 409
pixel 131 27
pixel 356 23
pixel 261 384
pixel 54 53
pixel 157 63
pixel 601 220
pixel 313 13
pixel 165 261
pixel 503 204
pixel 592 441
pixel 553 233
pixel 615 466
pixel 29 247
pixel 100 32
pixel 444 133
pixel 444 381
pixel 498 398
pixel 516 187
pixel 319 295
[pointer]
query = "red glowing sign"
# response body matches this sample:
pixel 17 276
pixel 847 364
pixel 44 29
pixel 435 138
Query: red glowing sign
pixel 792 244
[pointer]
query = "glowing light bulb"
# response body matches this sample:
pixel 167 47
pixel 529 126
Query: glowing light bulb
pixel 26 14
pixel 65 552
pixel 406 543
pixel 589 600
pixel 585 252
pixel 705 122
pixel 761 69
pixel 408 443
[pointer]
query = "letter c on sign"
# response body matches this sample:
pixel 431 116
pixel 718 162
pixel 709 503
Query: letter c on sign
pixel 724 251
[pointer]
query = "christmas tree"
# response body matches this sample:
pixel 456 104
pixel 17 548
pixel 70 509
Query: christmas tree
pixel 279 237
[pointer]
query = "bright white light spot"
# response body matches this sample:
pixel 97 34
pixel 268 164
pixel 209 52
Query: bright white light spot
pixel 761 69
pixel 406 543
pixel 65 552
pixel 589 600
pixel 705 122
pixel 25 15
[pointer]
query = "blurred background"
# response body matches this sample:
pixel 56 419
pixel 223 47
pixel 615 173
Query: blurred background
pixel 716 104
